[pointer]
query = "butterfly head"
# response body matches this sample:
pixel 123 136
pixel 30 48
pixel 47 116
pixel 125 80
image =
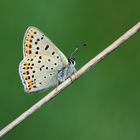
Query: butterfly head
pixel 72 61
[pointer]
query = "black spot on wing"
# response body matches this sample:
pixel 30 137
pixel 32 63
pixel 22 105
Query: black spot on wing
pixel 53 53
pixel 47 46
pixel 39 61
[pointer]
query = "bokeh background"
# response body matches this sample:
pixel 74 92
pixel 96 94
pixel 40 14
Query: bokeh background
pixel 104 104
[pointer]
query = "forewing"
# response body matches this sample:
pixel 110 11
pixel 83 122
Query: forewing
pixel 36 42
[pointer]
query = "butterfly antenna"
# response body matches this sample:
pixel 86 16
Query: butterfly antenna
pixel 76 50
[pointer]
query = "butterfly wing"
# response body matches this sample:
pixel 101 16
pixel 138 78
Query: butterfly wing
pixel 39 72
pixel 36 42
pixel 42 61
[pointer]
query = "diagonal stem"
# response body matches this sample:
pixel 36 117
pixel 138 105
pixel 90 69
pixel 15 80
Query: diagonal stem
pixel 72 78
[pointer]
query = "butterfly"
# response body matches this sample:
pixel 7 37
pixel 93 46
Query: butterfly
pixel 43 64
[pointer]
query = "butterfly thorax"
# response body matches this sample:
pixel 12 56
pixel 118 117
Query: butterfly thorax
pixel 67 71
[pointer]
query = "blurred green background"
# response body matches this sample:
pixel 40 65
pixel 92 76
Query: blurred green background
pixel 104 103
